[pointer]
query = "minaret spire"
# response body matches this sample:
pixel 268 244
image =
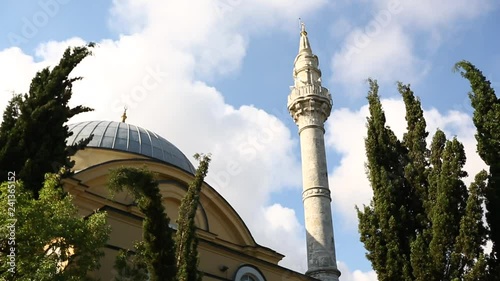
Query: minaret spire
pixel 304 41
pixel 306 66
pixel 310 105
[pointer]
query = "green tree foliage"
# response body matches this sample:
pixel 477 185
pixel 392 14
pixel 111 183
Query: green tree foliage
pixel 186 240
pixel 384 223
pixel 32 134
pixel 158 251
pixel 51 241
pixel 422 223
pixel 487 121
pixel 131 265
pixel 416 162
pixel 180 261
pixel 468 257
pixel 448 209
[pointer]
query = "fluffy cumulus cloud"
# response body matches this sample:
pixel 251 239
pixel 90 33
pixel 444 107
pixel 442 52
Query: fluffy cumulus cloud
pixel 386 56
pixel 356 275
pixel 158 68
pixel 346 132
pixel 16 79
pixel 284 220
pixel 384 46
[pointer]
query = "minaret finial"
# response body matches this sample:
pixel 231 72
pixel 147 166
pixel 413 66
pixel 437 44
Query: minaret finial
pixel 304 41
pixel 306 66
pixel 302 27
pixel 124 116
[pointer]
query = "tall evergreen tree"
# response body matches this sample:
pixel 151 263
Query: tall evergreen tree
pixel 157 256
pixel 383 224
pixel 487 121
pixel 415 171
pixel 448 210
pixel 422 223
pixel 468 259
pixel 158 248
pixel 186 240
pixel 32 134
pixel 420 256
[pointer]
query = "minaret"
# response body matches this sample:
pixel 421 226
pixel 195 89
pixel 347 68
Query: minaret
pixel 310 104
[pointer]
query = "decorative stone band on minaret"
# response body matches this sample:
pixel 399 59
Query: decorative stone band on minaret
pixel 310 105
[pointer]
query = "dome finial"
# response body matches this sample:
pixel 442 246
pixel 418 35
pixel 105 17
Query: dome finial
pixel 124 116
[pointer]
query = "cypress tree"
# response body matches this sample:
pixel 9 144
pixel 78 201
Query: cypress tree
pixel 422 223
pixel 186 240
pixel 383 224
pixel 448 209
pixel 415 171
pixel 158 244
pixel 486 118
pixel 32 134
pixel 468 259
pixel 157 256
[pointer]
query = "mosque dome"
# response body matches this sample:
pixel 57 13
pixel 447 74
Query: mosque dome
pixel 129 138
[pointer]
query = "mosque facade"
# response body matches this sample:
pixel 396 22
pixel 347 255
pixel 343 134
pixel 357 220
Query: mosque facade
pixel 227 250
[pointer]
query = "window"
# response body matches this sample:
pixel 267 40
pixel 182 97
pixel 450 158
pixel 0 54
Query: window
pixel 247 277
pixel 248 273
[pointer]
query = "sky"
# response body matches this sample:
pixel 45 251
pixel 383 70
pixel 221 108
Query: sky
pixel 213 76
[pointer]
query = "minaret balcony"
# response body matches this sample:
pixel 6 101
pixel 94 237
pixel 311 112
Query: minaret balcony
pixel 307 91
pixel 312 102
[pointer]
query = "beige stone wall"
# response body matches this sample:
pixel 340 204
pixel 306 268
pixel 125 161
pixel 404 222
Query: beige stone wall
pixel 225 242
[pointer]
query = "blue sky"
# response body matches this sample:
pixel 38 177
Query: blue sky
pixel 220 71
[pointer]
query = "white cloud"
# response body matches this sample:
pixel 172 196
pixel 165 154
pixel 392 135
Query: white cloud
pixel 457 124
pixel 16 71
pixel 51 52
pixel 387 56
pixel 156 69
pixel 284 220
pixel 356 275
pixel 260 15
pixel 488 247
pixel 346 131
pixel 340 27
pixel 385 47
pixel 348 180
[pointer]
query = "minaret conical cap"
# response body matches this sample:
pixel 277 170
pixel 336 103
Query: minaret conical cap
pixel 304 41
pixel 306 61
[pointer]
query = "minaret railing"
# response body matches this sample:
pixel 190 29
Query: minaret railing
pixel 308 90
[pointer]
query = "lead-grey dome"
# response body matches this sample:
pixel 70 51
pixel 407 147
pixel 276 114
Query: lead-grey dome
pixel 126 137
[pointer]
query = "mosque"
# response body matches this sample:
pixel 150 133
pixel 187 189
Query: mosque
pixel 226 248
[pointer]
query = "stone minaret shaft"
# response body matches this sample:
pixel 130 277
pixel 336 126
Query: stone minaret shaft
pixel 310 104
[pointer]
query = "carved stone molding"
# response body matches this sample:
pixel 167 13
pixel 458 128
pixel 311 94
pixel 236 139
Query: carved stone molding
pixel 307 90
pixel 310 105
pixel 316 191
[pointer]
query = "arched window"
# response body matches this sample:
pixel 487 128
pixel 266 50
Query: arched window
pixel 247 277
pixel 248 273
